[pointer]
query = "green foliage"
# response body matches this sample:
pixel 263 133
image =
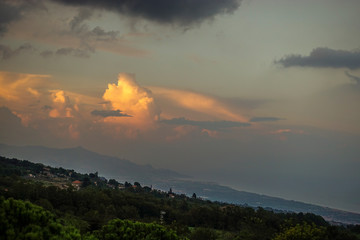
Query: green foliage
pixel 303 232
pixel 128 230
pixel 93 208
pixel 203 234
pixel 23 220
pixel 113 182
pixel 341 233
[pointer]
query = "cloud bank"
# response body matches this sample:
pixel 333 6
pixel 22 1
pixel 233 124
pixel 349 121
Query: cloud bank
pixel 323 57
pixel 126 110
pixel 191 104
pixel 6 52
pixel 265 119
pixel 211 125
pixel 179 12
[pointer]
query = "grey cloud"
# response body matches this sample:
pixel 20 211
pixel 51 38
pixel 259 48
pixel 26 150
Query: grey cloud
pixel 47 53
pixel 265 119
pixel 179 12
pixel 109 113
pixel 87 36
pixel 104 102
pixel 324 57
pixel 6 52
pixel 82 30
pixel 76 52
pixel 352 77
pixel 8 14
pixel 11 11
pixel 84 52
pixel 46 108
pixel 101 35
pixel 83 14
pixel 211 125
pixel 8 118
pixel 11 129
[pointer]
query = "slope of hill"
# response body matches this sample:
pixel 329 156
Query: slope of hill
pixel 83 160
pixel 215 192
pixel 33 205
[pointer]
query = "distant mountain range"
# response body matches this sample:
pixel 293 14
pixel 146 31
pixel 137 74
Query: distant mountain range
pixel 85 161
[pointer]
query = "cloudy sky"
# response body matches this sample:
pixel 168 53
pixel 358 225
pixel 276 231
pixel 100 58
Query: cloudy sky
pixel 263 96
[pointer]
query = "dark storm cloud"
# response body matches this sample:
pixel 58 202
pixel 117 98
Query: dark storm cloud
pixel 11 11
pixel 8 14
pixel 265 119
pixel 109 113
pixel 211 125
pixel 324 57
pixel 179 12
pixel 354 78
pixel 6 52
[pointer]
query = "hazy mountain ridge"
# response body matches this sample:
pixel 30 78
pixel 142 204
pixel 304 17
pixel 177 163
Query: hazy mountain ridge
pixel 83 160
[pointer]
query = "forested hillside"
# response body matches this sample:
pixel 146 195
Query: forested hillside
pixel 41 202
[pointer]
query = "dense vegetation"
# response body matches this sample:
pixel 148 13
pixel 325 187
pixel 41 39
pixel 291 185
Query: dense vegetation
pixel 102 209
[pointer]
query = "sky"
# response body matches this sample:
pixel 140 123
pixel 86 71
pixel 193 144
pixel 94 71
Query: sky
pixel 262 96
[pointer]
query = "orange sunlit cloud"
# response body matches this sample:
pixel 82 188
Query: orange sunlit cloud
pixel 32 98
pixel 21 86
pixel 131 108
pixel 129 97
pixel 22 93
pixel 60 105
pixel 195 103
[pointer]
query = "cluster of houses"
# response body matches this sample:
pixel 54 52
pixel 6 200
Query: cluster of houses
pixel 61 180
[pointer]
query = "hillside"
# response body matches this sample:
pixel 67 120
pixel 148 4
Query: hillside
pixel 98 208
pixel 83 160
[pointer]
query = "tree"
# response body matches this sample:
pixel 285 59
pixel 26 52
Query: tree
pixel 128 230
pixel 303 232
pixel 24 220
pixel 93 175
pixel 203 234
pixel 113 182
pixel 86 182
